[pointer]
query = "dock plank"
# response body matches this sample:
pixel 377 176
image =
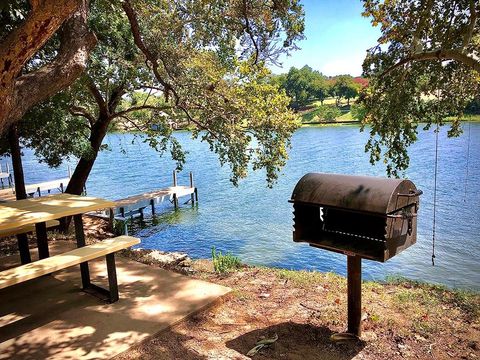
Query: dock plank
pixel 136 202
pixel 46 186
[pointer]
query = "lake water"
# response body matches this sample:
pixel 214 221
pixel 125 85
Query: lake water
pixel 255 223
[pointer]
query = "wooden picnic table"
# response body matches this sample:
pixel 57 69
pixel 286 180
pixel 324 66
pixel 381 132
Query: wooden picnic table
pixel 38 211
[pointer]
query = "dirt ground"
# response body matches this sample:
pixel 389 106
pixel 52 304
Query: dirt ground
pixel 402 319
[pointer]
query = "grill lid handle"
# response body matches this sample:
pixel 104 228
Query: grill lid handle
pixel 412 193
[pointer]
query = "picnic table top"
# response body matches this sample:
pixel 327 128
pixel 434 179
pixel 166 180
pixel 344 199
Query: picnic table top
pixel 34 210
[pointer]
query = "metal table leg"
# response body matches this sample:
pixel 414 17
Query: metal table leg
pixel 110 295
pixel 80 236
pixel 42 240
pixel 112 278
pixel 23 249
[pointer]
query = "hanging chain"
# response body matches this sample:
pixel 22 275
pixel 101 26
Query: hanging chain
pixel 435 194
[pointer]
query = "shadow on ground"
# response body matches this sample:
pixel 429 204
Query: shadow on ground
pixel 296 341
pixel 49 317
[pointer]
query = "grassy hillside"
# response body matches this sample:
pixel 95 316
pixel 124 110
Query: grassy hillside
pixel 312 113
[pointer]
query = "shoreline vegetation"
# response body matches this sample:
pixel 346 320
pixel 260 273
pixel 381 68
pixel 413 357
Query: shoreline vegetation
pixel 401 318
pixel 339 121
pixel 310 116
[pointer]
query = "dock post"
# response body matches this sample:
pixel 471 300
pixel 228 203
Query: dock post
pixel 111 218
pixel 124 221
pixel 196 195
pixel 192 196
pixel 141 213
pixel 174 177
pixel 175 199
pixel 152 203
pixel 9 176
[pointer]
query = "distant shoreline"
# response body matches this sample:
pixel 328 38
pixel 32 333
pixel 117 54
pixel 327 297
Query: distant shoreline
pixel 470 118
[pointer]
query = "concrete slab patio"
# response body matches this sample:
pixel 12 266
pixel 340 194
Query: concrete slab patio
pixel 50 318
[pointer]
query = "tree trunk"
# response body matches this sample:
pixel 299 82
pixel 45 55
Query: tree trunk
pixel 19 92
pixel 25 40
pixel 16 154
pixel 82 170
pixel 20 192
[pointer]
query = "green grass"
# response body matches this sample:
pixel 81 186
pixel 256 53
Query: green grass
pixel 330 101
pixel 346 117
pixel 310 116
pixel 465 118
pixel 314 111
pixel 224 263
pixel 432 294
pixel 304 278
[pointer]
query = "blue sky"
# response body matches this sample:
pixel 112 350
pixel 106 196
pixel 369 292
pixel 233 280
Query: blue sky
pixel 337 37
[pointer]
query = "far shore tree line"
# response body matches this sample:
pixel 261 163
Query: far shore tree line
pixel 305 85
pixel 69 69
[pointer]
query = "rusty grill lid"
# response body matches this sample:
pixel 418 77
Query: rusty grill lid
pixel 357 193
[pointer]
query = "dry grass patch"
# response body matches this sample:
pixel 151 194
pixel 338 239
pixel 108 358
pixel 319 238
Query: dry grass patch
pixel 402 320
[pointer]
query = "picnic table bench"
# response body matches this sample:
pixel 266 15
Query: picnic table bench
pixel 38 212
pixel 46 266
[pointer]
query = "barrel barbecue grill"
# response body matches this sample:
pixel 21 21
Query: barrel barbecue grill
pixel 359 216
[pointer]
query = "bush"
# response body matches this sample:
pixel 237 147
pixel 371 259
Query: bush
pixel 328 113
pixel 358 112
pixel 224 263
pixel 473 107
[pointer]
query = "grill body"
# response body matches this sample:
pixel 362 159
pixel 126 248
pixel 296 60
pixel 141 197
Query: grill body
pixel 369 217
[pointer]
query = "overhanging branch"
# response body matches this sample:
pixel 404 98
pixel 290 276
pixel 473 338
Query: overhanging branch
pixel 437 55
pixel 97 95
pixel 80 111
pixel 137 38
pixel 142 107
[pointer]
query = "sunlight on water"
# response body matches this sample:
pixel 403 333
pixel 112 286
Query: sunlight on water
pixel 255 222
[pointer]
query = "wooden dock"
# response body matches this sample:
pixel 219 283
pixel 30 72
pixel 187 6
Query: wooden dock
pixel 38 189
pixel 133 206
pixel 5 175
